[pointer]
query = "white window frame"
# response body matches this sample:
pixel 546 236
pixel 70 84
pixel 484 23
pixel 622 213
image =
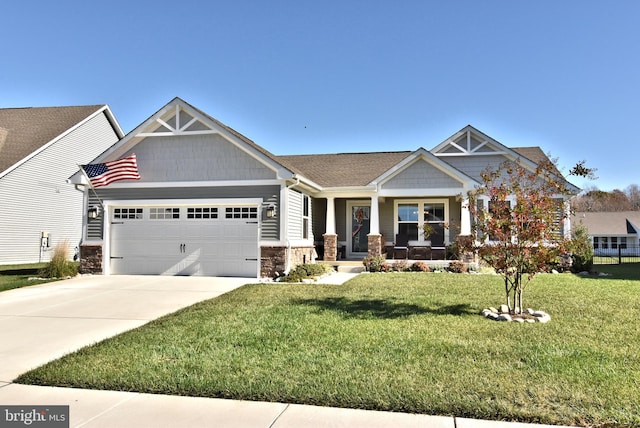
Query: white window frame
pixel 421 203
pixel 306 217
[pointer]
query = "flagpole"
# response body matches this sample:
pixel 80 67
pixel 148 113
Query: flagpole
pixel 91 186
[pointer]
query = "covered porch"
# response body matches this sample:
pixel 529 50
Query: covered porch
pixel 399 228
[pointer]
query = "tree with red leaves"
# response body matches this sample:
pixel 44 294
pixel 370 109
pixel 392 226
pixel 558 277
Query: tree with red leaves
pixel 519 214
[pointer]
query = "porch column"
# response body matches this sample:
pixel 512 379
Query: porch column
pixel 330 227
pixel 566 226
pixel 465 231
pixel 330 237
pixel 374 240
pixel 465 218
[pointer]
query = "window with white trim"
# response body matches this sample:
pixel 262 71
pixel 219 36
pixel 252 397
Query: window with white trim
pixel 164 213
pixel 408 220
pixel 614 242
pixel 202 212
pixel 241 212
pixel 412 216
pixel 609 242
pixel 306 201
pixel 128 213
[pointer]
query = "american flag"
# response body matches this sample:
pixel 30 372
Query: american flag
pixel 101 174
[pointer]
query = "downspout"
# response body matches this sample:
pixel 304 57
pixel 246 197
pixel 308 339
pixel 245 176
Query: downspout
pixel 287 266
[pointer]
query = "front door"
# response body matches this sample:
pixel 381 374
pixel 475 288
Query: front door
pixel 358 222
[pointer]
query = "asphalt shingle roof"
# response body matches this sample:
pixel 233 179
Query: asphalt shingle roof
pixel 25 130
pixel 607 223
pixel 343 169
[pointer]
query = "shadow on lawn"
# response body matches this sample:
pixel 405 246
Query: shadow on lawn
pixel 380 308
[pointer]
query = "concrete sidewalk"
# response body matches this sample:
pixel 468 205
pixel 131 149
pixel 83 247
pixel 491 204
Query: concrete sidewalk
pixel 44 322
pixel 98 409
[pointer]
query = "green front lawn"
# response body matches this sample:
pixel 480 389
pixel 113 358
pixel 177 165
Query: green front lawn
pixel 16 276
pixel 411 342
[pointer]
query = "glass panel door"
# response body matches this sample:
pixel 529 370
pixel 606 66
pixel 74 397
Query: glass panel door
pixel 359 227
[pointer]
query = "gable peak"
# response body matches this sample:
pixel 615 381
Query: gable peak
pixel 468 142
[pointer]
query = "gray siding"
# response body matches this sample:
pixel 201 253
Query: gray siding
pixel 319 221
pixel 294 210
pixel 421 175
pixel 35 196
pixel 341 220
pixel 386 220
pixel 269 194
pixel 473 166
pixel 196 158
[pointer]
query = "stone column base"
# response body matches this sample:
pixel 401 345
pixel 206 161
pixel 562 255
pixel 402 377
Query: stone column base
pixel 374 245
pixel 330 247
pixel 466 256
pixel 90 259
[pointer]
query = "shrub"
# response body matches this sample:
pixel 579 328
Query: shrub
pixel 60 266
pixel 375 264
pixel 420 267
pixel 456 266
pixel 401 266
pixel 581 249
pixel 305 271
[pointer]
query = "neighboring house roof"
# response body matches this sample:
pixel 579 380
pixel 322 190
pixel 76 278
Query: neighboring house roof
pixel 609 223
pixel 25 130
pixel 343 169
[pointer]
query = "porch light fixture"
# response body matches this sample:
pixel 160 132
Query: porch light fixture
pixel 270 211
pixel 93 212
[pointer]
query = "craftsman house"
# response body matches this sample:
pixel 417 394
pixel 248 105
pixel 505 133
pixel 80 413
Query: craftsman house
pixel 209 201
pixel 40 148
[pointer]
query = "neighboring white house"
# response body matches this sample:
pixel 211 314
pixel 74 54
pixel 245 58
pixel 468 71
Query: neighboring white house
pixel 40 148
pixel 212 202
pixel 611 232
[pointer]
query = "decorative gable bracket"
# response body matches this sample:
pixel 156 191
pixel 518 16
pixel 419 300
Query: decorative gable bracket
pixel 179 122
pixel 469 142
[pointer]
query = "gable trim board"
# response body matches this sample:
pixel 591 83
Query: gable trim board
pixel 221 166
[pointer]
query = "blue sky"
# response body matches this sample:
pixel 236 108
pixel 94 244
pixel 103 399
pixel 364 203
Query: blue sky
pixel 348 76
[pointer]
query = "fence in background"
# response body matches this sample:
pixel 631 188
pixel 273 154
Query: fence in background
pixel 616 256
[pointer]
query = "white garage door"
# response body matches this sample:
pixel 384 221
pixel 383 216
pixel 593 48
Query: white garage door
pixel 184 240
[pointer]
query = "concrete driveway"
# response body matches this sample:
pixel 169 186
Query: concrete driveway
pixel 44 322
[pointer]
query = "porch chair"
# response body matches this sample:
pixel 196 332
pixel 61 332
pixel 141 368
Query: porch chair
pixel 401 244
pixel 437 245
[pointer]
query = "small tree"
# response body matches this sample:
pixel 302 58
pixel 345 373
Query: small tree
pixel 518 232
pixel 581 249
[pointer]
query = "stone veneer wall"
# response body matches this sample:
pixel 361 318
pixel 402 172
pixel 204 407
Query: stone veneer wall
pixel 274 259
pixel 330 247
pixel 374 245
pixel 90 259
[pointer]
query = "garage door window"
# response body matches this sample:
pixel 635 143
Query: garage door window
pixel 164 213
pixel 241 212
pixel 202 213
pixel 127 213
